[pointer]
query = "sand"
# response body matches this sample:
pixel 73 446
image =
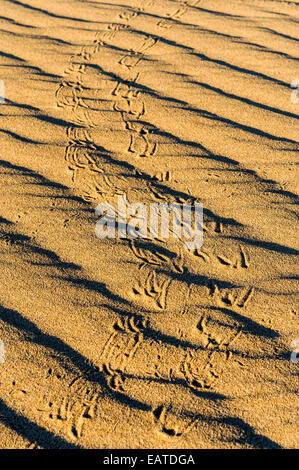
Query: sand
pixel 114 343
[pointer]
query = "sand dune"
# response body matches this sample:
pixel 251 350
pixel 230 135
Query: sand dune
pixel 119 343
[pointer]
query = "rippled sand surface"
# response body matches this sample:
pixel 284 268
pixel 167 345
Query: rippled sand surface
pixel 117 343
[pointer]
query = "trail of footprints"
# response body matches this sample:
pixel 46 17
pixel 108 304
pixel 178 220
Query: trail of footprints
pixel 90 165
pixel 81 153
pixel 79 405
pixel 153 289
pixel 199 369
pixel 168 423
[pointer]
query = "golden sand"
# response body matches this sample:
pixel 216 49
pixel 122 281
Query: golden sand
pixel 115 343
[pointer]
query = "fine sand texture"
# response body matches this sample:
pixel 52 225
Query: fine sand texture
pixel 144 343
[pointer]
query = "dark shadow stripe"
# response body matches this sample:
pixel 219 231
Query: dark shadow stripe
pixel 32 431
